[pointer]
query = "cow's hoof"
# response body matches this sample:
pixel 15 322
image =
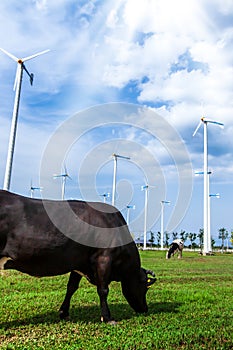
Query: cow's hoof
pixel 112 323
pixel 64 315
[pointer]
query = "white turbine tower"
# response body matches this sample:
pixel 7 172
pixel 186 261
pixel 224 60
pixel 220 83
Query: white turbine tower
pixel 207 239
pixel 115 156
pixel 63 176
pixel 17 87
pixel 145 188
pixel 162 222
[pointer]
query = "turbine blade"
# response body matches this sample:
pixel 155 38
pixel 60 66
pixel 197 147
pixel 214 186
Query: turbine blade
pixel 17 76
pixel 33 56
pixel 214 122
pixel 10 55
pixel 197 128
pixel 31 75
pixel 65 168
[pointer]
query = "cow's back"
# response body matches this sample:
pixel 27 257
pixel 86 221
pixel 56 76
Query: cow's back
pixel 37 245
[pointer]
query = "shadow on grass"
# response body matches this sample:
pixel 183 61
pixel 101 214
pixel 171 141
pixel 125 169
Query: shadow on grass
pixel 91 314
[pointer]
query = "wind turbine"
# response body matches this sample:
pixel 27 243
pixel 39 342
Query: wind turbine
pixel 205 121
pixel 115 156
pixel 63 176
pixel 145 188
pixel 17 87
pixel 162 221
pixel 128 207
pixel 105 196
pixel 33 189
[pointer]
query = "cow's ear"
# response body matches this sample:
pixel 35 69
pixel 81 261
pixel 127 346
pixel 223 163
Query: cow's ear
pixel 149 277
pixel 150 280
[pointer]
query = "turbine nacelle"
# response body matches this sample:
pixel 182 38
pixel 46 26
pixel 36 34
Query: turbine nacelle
pixel 206 121
pixel 21 65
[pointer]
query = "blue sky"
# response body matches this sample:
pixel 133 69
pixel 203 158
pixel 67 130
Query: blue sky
pixel 174 57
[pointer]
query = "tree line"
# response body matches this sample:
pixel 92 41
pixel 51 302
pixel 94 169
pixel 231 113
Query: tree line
pixel 195 239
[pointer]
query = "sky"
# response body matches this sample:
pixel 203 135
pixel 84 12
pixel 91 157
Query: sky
pixel 126 77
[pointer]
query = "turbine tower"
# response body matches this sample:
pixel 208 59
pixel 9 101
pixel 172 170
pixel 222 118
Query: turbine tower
pixel 162 222
pixel 145 188
pixel 17 87
pixel 115 156
pixel 207 239
pixel 63 176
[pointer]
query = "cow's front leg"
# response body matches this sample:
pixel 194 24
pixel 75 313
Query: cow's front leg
pixel 72 286
pixel 103 272
pixel 105 312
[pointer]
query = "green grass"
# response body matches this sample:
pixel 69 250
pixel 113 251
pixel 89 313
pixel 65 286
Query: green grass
pixel 190 307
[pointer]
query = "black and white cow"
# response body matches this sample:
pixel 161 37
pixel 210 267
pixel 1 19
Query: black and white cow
pixel 30 242
pixel 176 247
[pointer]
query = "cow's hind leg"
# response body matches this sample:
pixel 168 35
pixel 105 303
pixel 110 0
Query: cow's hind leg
pixel 72 286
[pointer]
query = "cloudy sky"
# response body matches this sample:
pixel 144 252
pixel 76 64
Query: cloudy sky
pixel 174 57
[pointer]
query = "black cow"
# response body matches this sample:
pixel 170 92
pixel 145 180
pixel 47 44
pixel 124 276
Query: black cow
pixel 176 247
pixel 32 243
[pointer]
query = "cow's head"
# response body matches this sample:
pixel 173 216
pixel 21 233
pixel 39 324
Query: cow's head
pixel 174 248
pixel 136 287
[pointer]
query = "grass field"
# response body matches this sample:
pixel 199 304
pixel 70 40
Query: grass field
pixel 190 307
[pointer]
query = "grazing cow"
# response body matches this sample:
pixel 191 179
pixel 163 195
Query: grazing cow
pixel 30 242
pixel 176 247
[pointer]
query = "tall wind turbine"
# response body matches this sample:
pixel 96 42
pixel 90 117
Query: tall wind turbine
pixel 207 239
pixel 63 176
pixel 115 156
pixel 17 87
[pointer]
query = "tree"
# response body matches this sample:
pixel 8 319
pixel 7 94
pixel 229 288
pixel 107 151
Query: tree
pixel 174 235
pixel 192 237
pixel 183 235
pixel 166 239
pixel 222 234
pixel 152 238
pixel 201 238
pixel 158 238
pixel 212 242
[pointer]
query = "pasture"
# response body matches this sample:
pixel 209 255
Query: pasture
pixel 190 307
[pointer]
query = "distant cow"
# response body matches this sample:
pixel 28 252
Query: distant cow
pixel 176 247
pixel 31 243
